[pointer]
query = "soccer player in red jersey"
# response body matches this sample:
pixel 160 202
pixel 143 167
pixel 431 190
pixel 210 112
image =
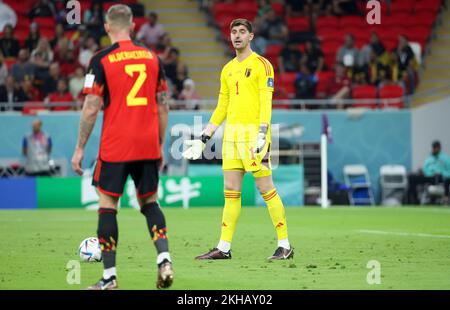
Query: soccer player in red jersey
pixel 128 81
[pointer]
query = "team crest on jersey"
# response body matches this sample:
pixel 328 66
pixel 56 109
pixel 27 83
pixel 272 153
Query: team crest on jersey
pixel 270 82
pixel 248 71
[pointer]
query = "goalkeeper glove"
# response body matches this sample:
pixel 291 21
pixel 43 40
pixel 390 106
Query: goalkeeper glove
pixel 261 142
pixel 195 147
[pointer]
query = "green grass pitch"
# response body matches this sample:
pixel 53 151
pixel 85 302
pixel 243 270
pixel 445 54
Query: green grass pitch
pixel 332 249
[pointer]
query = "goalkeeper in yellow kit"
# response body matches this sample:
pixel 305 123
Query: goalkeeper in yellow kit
pixel 245 100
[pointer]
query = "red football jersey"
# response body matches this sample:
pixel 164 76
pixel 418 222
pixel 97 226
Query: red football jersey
pixel 128 76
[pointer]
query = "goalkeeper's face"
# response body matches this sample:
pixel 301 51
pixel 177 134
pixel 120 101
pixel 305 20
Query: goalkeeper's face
pixel 240 37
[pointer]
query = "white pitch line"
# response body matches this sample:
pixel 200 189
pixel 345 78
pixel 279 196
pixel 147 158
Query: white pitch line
pixel 381 232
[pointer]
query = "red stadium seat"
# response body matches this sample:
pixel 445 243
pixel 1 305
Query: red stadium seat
pixel 323 80
pixel 45 22
pixel 287 81
pixel 326 35
pixel 223 9
pixel 9 62
pixel 351 21
pixel 273 50
pixel 31 108
pixel 401 6
pixel 364 92
pixel 298 24
pixel 396 19
pixel 139 21
pixel 389 92
pixel 278 8
pixel 390 44
pixel 327 22
pixel 432 6
pixel 424 18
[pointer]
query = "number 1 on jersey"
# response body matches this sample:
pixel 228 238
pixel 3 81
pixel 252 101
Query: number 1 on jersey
pixel 132 100
pixel 237 88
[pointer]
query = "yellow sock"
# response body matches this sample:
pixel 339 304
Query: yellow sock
pixel 277 213
pixel 231 212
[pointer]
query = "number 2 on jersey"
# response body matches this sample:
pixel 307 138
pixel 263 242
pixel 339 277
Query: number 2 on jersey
pixel 132 100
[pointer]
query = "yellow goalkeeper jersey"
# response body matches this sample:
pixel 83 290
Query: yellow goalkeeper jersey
pixel 245 98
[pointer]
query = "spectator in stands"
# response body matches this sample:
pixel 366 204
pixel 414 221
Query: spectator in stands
pixel 172 65
pixel 313 57
pixel 339 86
pixel 269 30
pixel 33 38
pixel 348 54
pixel 41 57
pixel 30 91
pixel 345 7
pixel 23 67
pixel 11 94
pixel 43 8
pixel 9 45
pixel 435 170
pixel 37 147
pixel 87 51
pixel 80 36
pixel 188 92
pixel 295 8
pixel 371 72
pixel 61 97
pixel 51 82
pixel 59 34
pixel 94 20
pixel 76 83
pixel 7 16
pixel 374 46
pixel 3 70
pixel 407 63
pixel 164 45
pixel 263 8
pixel 151 32
pixel 305 83
pixel 289 58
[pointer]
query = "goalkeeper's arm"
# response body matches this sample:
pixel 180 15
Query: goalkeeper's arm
pixel 194 148
pixel 265 98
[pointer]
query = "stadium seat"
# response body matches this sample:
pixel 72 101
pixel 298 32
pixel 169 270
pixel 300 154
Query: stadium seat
pixel 431 6
pixel 424 18
pixel 323 78
pixel 364 92
pixel 45 22
pixel 327 22
pixel 298 24
pixel 273 51
pixel 223 9
pixel 32 108
pixel 401 7
pixel 328 34
pixel 139 21
pixel 278 8
pixel 287 81
pixel 391 96
pixel 351 21
pixel 9 62
pixel 358 180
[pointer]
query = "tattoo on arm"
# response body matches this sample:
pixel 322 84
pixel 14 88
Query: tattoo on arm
pixel 92 106
pixel 161 98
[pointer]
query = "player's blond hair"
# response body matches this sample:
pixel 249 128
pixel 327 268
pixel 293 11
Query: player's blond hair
pixel 119 16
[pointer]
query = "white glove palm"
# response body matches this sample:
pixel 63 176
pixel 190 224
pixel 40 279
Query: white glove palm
pixel 261 142
pixel 194 149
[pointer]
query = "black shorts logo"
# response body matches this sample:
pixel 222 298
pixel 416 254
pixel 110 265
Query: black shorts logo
pixel 248 71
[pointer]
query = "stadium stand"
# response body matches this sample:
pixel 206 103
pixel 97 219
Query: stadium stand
pixel 48 41
pixel 413 20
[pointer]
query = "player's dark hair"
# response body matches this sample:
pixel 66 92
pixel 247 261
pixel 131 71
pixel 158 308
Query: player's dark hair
pixel 436 144
pixel 242 22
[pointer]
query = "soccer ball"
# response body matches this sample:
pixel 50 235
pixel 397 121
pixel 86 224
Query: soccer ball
pixel 90 250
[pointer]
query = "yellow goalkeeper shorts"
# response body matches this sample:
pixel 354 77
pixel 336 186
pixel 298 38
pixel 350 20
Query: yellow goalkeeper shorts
pixel 242 156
